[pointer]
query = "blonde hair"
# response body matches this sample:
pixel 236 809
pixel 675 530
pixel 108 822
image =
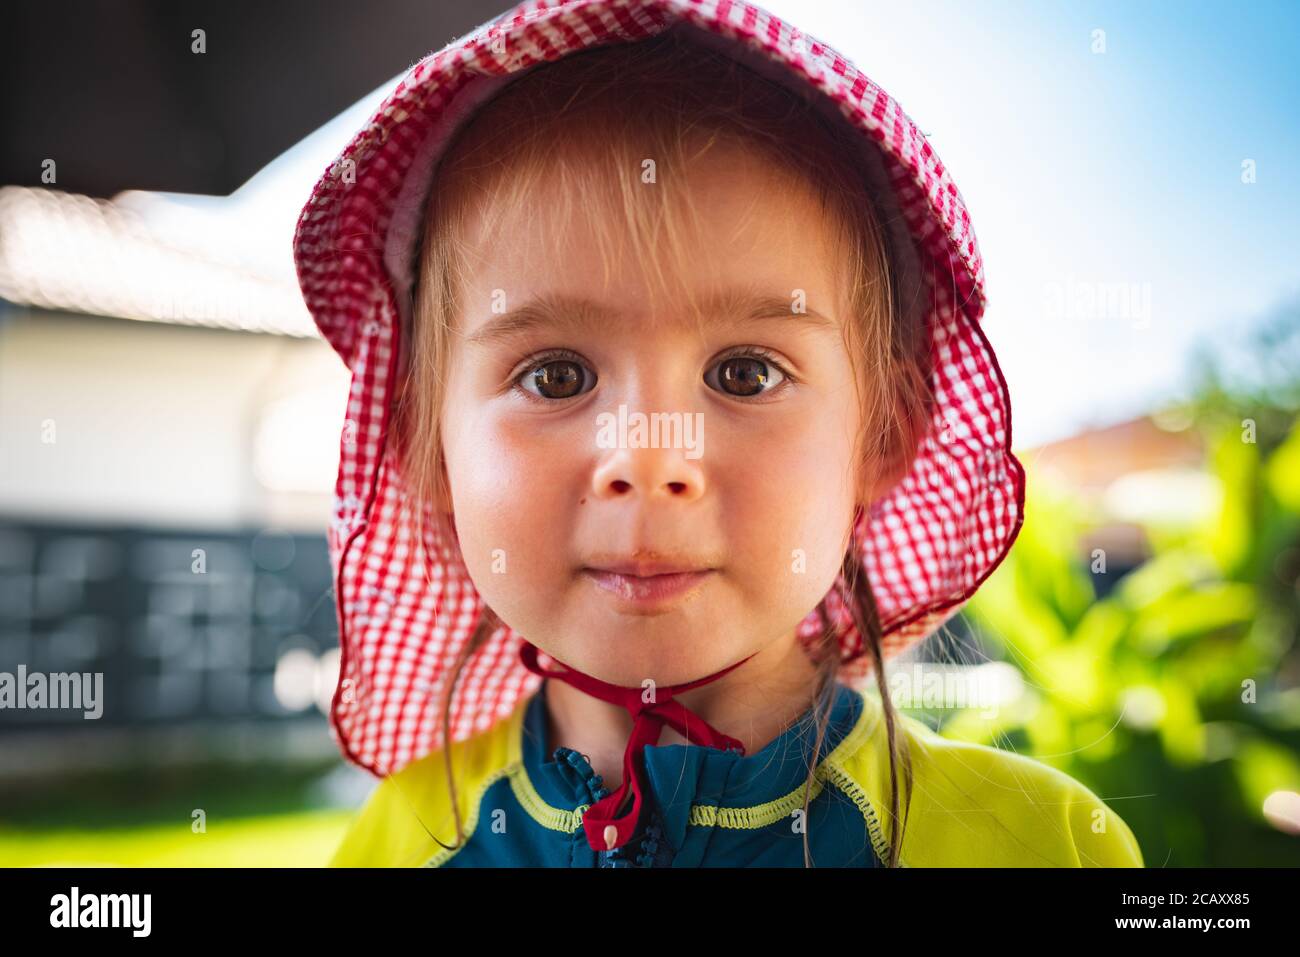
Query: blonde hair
pixel 586 123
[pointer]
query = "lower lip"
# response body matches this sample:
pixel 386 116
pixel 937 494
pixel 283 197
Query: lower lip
pixel 649 590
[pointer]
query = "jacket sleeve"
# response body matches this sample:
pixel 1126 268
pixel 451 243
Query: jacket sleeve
pixel 357 847
pixel 371 839
pixel 408 817
pixel 981 806
pixel 388 831
pixel 973 805
pixel 1100 836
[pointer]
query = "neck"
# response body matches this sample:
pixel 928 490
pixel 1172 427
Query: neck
pixel 754 703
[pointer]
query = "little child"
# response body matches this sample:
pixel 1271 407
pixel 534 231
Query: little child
pixel 569 641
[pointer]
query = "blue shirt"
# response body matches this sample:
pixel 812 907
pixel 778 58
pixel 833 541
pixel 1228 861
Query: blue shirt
pixel 704 808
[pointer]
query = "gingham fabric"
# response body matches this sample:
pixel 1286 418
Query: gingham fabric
pixel 402 621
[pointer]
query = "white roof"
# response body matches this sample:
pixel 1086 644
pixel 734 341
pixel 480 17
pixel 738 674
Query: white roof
pixel 222 261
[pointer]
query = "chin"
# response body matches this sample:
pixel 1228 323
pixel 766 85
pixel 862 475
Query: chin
pixel 669 649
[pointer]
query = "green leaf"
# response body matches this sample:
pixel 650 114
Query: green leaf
pixel 1282 473
pixel 1263 767
pixel 1193 613
pixel 1237 464
pixel 1181 731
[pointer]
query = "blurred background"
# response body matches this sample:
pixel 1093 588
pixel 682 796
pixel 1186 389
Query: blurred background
pixel 169 420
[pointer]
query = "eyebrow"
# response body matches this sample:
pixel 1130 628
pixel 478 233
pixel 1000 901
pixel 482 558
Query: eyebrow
pixel 580 314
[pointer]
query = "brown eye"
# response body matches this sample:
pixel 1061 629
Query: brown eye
pixel 746 376
pixel 556 379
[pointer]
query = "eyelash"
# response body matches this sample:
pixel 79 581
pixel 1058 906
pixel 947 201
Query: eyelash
pixel 742 352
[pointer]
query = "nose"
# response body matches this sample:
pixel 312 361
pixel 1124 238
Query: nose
pixel 664 474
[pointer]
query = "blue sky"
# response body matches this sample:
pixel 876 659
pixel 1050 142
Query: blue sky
pixel 1118 171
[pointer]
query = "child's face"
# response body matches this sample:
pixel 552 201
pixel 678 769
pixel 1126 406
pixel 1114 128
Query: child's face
pixel 765 500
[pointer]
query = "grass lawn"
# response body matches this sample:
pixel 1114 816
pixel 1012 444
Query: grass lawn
pixel 282 840
pixel 253 817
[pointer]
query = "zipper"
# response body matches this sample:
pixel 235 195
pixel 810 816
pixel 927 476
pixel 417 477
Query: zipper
pixel 647 848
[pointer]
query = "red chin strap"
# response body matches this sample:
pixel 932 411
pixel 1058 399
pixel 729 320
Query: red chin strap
pixel 605 828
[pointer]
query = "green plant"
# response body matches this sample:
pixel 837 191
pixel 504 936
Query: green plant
pixel 1175 696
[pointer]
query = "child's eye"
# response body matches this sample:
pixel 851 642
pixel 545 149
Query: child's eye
pixel 560 375
pixel 746 375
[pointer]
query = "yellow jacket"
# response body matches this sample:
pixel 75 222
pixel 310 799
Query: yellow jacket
pixel 971 805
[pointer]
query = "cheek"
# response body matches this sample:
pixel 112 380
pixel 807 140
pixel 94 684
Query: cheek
pixel 794 545
pixel 789 516
pixel 510 492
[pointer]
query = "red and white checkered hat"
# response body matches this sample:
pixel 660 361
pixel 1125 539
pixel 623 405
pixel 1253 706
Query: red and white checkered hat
pixel 926 546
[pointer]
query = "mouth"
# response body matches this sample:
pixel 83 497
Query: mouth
pixel 648 583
